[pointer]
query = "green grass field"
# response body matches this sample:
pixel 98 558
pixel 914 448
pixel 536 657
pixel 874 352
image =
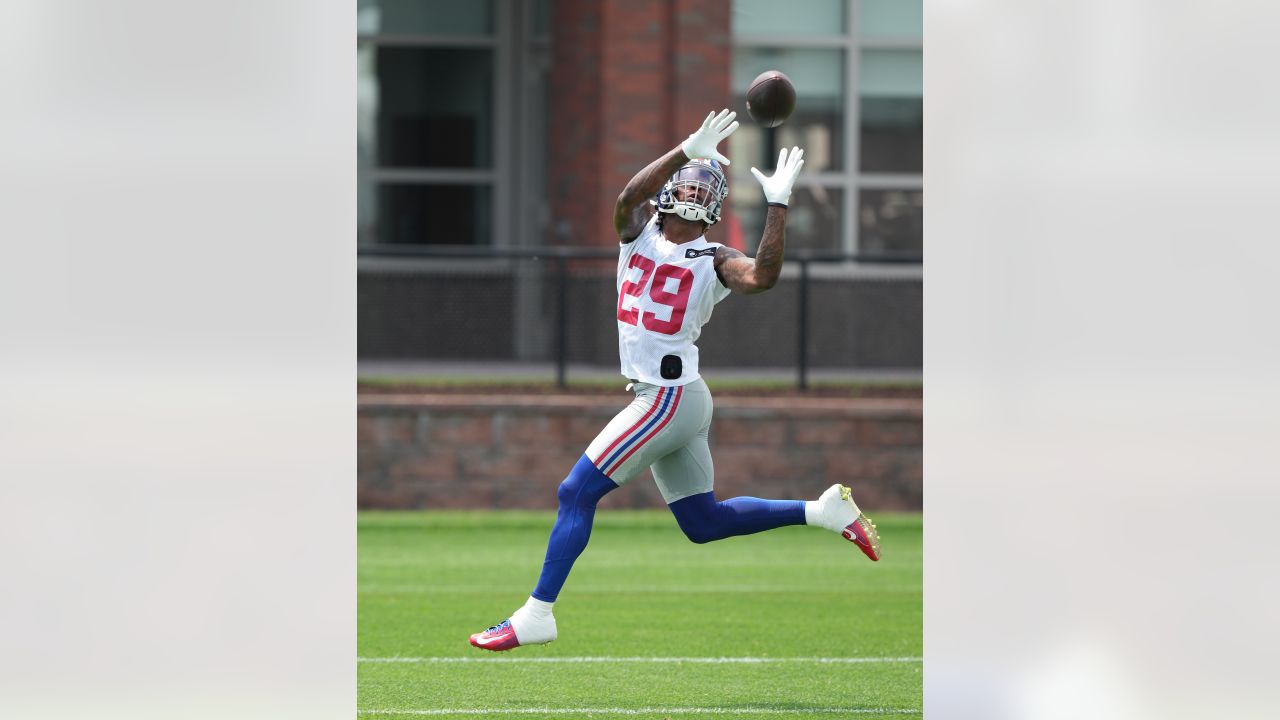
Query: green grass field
pixel 784 624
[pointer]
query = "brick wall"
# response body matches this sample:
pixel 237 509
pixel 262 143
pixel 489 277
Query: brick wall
pixel 455 451
pixel 629 80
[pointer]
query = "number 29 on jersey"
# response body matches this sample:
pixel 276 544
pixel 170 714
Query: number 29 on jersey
pixel 654 280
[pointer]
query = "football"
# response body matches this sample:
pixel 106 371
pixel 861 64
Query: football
pixel 771 98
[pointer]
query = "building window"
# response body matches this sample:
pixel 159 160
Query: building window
pixel 858 70
pixel 440 160
pixel 426 113
pixel 891 112
pixel 435 108
pixel 425 17
pixel 770 17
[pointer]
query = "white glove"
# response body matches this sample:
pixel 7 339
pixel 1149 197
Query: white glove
pixel 702 143
pixel 777 188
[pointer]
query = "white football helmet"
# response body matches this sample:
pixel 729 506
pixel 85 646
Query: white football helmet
pixel 696 192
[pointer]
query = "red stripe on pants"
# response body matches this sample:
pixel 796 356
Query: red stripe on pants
pixel 630 430
pixel 671 412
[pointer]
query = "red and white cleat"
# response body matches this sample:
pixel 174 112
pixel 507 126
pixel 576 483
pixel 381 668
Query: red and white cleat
pixel 837 512
pixel 524 627
pixel 497 638
pixel 862 532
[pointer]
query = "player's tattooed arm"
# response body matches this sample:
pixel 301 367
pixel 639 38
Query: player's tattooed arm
pixel 753 275
pixel 633 209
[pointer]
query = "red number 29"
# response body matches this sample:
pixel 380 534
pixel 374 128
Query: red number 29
pixel 678 301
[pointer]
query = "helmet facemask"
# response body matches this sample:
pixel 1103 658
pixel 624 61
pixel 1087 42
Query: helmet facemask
pixel 696 192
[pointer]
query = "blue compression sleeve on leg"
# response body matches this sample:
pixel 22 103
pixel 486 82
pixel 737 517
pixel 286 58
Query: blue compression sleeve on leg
pixel 578 496
pixel 703 519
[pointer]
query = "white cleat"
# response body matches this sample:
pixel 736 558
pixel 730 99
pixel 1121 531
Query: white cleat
pixel 836 511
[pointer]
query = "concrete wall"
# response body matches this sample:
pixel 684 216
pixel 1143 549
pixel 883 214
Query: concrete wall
pixel 459 451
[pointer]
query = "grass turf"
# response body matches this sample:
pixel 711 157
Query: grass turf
pixel 641 590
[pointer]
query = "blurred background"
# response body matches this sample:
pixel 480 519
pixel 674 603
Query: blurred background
pixel 494 137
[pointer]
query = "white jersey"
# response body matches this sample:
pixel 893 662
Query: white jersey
pixel 666 293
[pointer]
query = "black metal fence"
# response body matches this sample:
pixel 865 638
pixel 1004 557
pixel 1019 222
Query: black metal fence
pixel 557 305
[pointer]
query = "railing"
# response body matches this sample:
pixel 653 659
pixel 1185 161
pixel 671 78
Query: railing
pixel 562 257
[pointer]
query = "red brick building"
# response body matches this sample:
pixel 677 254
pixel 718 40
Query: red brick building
pixel 517 122
pixel 628 81
pixel 514 124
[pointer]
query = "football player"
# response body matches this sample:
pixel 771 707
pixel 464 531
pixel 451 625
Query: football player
pixel 670 277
